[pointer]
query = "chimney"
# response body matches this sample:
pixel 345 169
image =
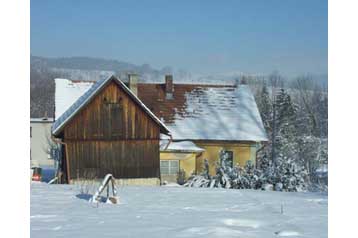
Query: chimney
pixel 133 83
pixel 169 87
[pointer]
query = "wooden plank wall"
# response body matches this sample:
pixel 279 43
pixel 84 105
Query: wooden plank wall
pixel 95 121
pixel 114 135
pixel 123 159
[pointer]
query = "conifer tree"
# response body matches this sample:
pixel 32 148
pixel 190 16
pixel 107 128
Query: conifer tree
pixel 265 106
pixel 286 136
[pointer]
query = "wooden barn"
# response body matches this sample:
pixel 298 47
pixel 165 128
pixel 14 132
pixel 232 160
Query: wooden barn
pixel 109 130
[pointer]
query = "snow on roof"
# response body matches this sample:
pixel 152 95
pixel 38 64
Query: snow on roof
pixel 67 92
pixel 219 113
pixel 182 146
pixel 88 90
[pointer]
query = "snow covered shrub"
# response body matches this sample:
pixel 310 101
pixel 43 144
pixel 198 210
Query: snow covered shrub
pixel 201 180
pixel 236 177
pixel 291 175
pixel 287 175
pixel 197 181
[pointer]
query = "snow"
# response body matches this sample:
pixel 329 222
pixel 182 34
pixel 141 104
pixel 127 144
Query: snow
pixel 168 211
pixel 182 146
pixel 219 113
pixel 67 92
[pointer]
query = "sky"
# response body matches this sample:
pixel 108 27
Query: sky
pixel 204 37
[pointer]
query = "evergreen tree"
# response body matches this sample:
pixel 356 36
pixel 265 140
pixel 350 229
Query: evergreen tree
pixel 265 107
pixel 286 136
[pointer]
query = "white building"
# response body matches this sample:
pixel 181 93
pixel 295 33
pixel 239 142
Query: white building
pixel 40 139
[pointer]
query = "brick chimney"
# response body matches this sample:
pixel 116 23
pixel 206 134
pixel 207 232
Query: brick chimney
pixel 133 83
pixel 169 87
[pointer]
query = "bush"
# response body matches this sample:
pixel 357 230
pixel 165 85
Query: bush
pixel 286 176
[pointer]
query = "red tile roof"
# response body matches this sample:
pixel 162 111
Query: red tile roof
pixel 206 112
pixel 153 96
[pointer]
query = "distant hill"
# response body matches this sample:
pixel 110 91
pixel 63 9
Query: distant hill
pixel 87 68
pixel 44 70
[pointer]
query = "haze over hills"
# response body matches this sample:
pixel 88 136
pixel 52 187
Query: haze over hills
pixel 89 68
pixel 44 70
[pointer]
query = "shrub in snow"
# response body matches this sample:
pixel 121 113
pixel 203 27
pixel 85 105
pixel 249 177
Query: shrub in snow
pixel 291 175
pixel 286 176
pixel 226 176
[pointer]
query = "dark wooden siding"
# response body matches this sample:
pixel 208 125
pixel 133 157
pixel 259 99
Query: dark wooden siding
pixel 123 159
pixel 112 134
pixel 112 109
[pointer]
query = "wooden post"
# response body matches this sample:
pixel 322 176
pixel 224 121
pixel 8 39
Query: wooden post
pixel 67 164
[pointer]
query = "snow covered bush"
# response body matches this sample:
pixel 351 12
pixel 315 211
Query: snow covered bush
pixel 227 177
pixel 285 176
pixel 290 175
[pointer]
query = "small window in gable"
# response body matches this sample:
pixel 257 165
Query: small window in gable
pixel 116 111
pixel 169 96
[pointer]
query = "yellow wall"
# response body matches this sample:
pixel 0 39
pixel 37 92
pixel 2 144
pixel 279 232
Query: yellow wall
pixel 241 153
pixel 186 161
pixel 190 162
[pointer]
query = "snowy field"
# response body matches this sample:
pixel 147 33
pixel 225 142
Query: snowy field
pixel 59 211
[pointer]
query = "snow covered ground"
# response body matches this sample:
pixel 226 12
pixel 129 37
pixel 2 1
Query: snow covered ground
pixel 170 211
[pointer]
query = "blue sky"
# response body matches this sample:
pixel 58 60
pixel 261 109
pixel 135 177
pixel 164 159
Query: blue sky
pixel 253 36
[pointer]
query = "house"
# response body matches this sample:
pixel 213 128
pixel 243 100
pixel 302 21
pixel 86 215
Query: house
pixel 40 142
pixel 211 117
pixel 106 130
pixel 202 119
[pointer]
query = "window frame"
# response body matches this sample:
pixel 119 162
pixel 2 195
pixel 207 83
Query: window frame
pixel 172 170
pixel 230 158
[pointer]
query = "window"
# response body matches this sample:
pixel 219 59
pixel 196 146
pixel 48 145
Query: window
pixel 169 96
pixel 169 167
pixel 229 155
pixel 116 119
pixel 112 118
